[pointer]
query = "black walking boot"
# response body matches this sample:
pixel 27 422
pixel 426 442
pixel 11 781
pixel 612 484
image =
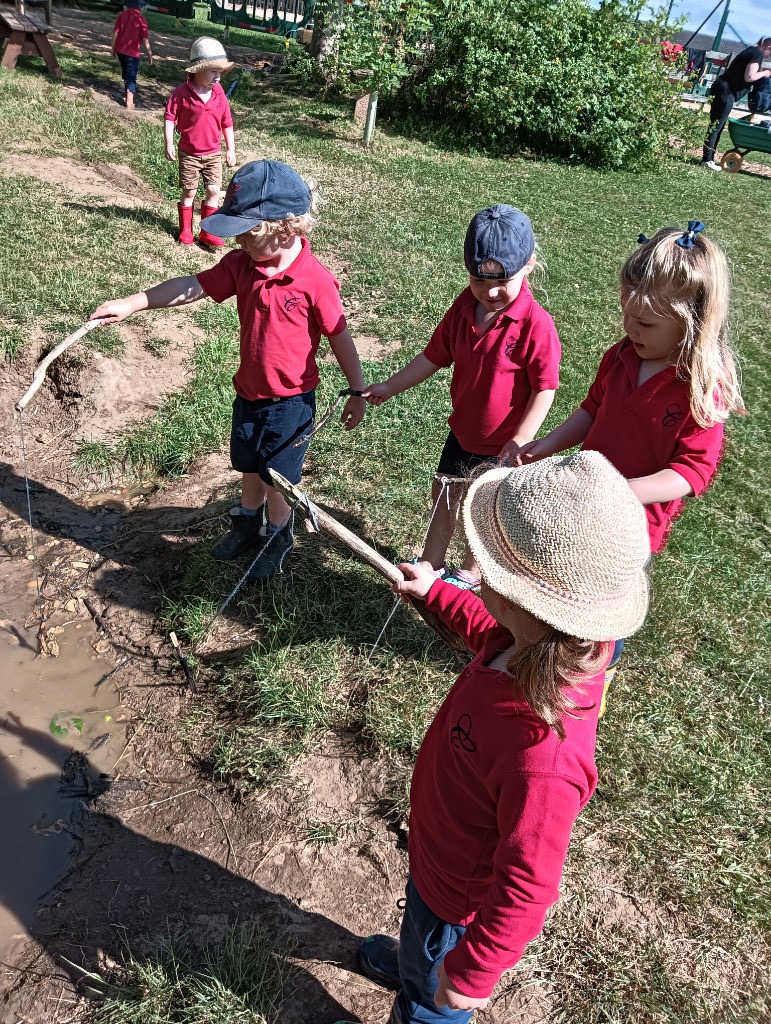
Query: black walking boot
pixel 271 559
pixel 246 533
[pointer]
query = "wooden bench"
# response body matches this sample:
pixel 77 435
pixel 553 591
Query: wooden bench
pixel 25 36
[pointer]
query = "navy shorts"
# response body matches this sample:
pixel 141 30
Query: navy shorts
pixel 264 434
pixel 456 461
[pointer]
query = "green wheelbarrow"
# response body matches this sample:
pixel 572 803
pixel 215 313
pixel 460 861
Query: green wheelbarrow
pixel 746 138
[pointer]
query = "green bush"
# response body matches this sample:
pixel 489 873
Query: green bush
pixel 557 77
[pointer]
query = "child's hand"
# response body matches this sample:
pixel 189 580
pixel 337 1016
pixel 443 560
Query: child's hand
pixel 513 454
pixel 446 995
pixel 114 311
pixel 150 58
pixel 510 450
pixel 171 153
pixel 376 394
pixel 353 412
pixel 417 581
pixel 230 157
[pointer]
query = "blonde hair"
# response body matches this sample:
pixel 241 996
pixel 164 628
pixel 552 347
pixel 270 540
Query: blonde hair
pixel 302 224
pixel 544 669
pixel 691 286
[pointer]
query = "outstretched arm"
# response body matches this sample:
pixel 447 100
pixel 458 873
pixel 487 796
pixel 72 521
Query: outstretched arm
pixel 536 411
pixel 415 372
pixel 566 435
pixel 347 357
pixel 177 292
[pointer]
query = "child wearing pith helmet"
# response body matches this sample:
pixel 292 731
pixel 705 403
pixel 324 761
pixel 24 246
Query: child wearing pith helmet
pixel 286 301
pixel 508 762
pixel 200 112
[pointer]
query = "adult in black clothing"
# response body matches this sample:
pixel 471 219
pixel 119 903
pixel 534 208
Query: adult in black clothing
pixel 729 87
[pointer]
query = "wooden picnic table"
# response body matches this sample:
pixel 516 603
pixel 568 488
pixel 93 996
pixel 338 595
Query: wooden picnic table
pixel 26 36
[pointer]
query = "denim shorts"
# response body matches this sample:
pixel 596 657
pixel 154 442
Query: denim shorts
pixel 456 461
pixel 265 432
pixel 424 941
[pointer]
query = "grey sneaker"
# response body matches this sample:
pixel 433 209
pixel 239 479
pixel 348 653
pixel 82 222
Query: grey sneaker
pixel 711 165
pixel 246 532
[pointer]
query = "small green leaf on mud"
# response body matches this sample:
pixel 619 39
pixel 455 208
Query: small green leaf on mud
pixel 65 724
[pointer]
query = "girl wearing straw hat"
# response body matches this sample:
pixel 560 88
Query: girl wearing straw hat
pixel 508 762
pixel 200 112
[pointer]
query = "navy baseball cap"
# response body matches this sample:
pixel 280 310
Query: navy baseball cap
pixel 258 191
pixel 500 233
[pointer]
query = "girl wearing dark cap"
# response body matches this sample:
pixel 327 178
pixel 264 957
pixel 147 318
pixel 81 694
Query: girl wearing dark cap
pixel 729 87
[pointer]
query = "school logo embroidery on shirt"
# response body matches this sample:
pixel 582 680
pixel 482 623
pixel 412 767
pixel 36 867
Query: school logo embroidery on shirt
pixel 292 302
pixel 460 736
pixel 673 415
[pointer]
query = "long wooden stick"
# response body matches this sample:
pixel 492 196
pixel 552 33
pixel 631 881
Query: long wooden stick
pixel 40 373
pixel 328 524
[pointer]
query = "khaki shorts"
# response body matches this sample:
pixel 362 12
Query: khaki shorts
pixel 210 166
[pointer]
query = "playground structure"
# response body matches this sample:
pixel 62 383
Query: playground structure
pixel 282 17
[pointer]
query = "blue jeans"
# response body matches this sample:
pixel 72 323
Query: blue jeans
pixel 424 941
pixel 130 68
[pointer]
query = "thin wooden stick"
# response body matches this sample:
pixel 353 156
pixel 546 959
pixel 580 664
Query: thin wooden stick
pixel 327 524
pixel 40 373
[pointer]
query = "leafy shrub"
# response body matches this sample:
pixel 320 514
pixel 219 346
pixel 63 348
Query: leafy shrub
pixel 370 44
pixel 555 76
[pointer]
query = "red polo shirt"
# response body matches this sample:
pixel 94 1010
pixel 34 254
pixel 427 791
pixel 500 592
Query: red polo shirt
pixel 200 125
pixel 131 29
pixel 642 430
pixel 496 372
pixel 282 320
pixel 493 799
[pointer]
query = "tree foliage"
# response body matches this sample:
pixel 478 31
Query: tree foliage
pixel 558 77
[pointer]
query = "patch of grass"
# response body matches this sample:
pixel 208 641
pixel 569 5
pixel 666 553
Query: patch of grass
pixel 237 981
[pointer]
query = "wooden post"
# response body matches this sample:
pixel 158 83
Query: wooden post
pixel 369 127
pixel 328 524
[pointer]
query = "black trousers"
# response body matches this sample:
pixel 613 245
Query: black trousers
pixel 722 105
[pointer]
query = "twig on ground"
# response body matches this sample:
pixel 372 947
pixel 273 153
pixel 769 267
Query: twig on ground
pixel 225 830
pixel 157 803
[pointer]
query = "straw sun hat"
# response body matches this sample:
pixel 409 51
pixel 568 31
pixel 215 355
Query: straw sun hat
pixel 565 539
pixel 207 54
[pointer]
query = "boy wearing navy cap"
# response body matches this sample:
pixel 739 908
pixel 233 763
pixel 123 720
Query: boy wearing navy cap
pixel 286 300
pixel 505 355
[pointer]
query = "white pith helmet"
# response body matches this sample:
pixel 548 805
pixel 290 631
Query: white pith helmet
pixel 206 54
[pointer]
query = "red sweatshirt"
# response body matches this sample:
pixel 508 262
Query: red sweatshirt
pixel 493 800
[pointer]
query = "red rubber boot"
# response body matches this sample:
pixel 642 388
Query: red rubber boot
pixel 185 224
pixel 204 236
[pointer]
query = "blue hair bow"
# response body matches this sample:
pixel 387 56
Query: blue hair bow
pixel 686 240
pixel 642 239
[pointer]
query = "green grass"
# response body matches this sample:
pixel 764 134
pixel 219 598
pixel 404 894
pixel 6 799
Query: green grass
pixel 681 817
pixel 239 980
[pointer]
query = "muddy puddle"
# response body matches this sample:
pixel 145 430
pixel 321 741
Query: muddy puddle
pixel 58 733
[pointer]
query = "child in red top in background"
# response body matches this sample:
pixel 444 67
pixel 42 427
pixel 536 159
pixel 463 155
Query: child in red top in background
pixel 657 406
pixel 286 301
pixel 505 355
pixel 200 112
pixel 130 32
pixel 508 762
